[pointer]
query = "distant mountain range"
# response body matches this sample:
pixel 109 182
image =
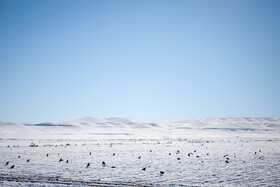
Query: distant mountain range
pixel 188 123
pixel 127 126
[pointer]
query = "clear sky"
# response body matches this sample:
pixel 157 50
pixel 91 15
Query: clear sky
pixel 149 60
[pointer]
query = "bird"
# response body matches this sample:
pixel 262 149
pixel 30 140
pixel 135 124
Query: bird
pixel 89 153
pixel 27 160
pixel 18 156
pixel 227 161
pixel 194 151
pixel 144 169
pixel 161 172
pixel 207 154
pixel 103 163
pixel 114 154
pixel 197 156
pixel 178 158
pixel 12 166
pixel 177 152
pixel 139 157
pixel 113 167
pixel 47 154
pixel 88 165
pixel 169 153
pixel 7 163
pixel 60 160
pixel 151 151
pixel 66 161
pixel 190 154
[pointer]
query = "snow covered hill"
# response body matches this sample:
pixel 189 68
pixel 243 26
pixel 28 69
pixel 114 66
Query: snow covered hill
pixel 126 127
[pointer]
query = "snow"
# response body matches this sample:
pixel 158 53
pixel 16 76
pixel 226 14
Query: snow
pixel 193 151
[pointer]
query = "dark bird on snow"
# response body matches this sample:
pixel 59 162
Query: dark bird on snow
pixel 194 151
pixel 12 166
pixel 177 152
pixel 169 153
pixel 88 165
pixel 161 172
pixel 60 160
pixel 7 163
pixel 27 160
pixel 197 156
pixel 18 156
pixel 144 169
pixel 190 154
pixel 151 151
pixel 114 154
pixel 225 155
pixel 89 153
pixel 47 154
pixel 139 157
pixel 103 163
pixel 66 161
pixel 207 154
pixel 113 167
pixel 227 161
pixel 178 158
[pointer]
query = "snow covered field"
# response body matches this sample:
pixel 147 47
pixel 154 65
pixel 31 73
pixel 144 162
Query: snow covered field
pixel 125 152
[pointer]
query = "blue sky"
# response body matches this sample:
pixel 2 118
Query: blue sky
pixel 148 60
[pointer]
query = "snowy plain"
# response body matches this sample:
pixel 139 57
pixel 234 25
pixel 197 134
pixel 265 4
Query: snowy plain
pixel 125 152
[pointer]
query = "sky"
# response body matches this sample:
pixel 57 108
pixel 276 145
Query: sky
pixel 150 60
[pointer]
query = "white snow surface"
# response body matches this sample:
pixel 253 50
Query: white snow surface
pixel 191 152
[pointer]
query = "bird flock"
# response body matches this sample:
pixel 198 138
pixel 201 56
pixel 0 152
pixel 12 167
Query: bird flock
pixel 103 163
pixel 103 156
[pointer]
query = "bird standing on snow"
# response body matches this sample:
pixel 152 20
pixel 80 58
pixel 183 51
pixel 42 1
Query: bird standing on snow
pixel 88 165
pixel 12 166
pixel 7 163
